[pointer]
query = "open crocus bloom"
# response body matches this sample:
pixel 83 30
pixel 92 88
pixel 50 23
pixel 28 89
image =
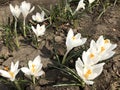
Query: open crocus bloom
pixel 15 10
pixel 34 68
pixel 25 8
pixel 74 41
pixel 105 48
pixel 11 74
pixel 90 56
pixel 88 73
pixel 39 17
pixel 81 4
pixel 91 1
pixel 39 30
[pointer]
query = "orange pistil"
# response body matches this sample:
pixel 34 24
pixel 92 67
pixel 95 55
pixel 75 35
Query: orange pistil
pixel 106 41
pixel 33 68
pixel 102 49
pixel 92 55
pixel 86 75
pixel 11 74
pixel 73 38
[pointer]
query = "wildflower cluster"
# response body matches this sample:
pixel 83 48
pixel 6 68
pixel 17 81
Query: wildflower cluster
pixel 88 67
pixel 25 9
pixel 35 69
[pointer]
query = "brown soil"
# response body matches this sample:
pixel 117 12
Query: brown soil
pixel 108 26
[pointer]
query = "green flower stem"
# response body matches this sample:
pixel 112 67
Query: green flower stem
pixel 36 41
pixel 17 85
pixel 33 80
pixel 15 32
pixel 64 58
pixel 74 84
pixel 24 29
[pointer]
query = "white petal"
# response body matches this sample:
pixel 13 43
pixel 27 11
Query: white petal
pixel 39 73
pixel 43 29
pixel 112 47
pixel 37 60
pixel 78 36
pixel 92 43
pixel 17 64
pixel 14 68
pixel 107 55
pixel 32 9
pixel 30 64
pixel 16 72
pixel 81 4
pixel 38 26
pixel 91 1
pixel 100 40
pixel 4 73
pixel 34 30
pixel 43 14
pixel 37 14
pixel 97 70
pixel 89 82
pixel 25 70
pixel 34 17
pixel 83 40
pixel 12 79
pixel 12 9
pixel 70 33
pixel 79 67
pixel 84 58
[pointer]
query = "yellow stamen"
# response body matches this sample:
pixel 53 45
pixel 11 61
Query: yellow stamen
pixel 92 55
pixel 102 49
pixel 73 38
pixel 86 75
pixel 11 74
pixel 33 68
pixel 106 41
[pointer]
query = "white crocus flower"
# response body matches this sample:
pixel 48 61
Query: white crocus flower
pixel 11 74
pixel 81 4
pixel 88 73
pixel 91 56
pixel 91 1
pixel 15 10
pixel 26 8
pixel 34 68
pixel 74 41
pixel 39 30
pixel 105 48
pixel 39 17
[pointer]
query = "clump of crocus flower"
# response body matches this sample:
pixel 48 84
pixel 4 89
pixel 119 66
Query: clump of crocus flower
pixel 89 67
pixel 34 68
